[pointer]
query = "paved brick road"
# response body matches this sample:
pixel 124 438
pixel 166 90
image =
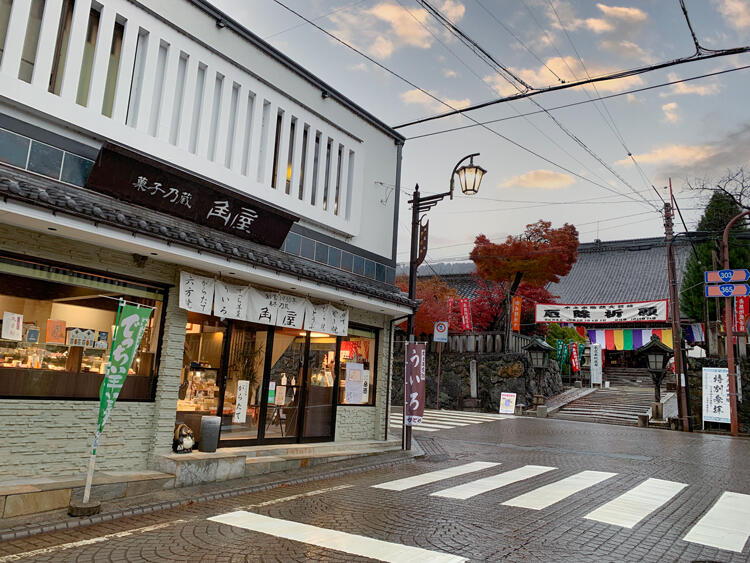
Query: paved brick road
pixel 479 528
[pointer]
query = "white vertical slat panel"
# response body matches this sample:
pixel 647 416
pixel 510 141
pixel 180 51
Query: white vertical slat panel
pixel 309 160
pixel 188 101
pixel 238 141
pixel 14 39
pixel 283 158
pixel 101 57
pixel 332 164
pixel 168 93
pixel 45 50
pixel 204 128
pixel 297 157
pixel 148 85
pixel 344 177
pixel 265 148
pixel 256 125
pixel 222 126
pixel 125 71
pixel 74 57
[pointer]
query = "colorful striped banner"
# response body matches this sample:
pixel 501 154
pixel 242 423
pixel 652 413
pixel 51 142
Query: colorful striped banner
pixel 609 339
pixel 618 338
pixel 627 339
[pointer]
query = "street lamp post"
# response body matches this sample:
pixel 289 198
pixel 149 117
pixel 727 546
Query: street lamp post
pixel 469 176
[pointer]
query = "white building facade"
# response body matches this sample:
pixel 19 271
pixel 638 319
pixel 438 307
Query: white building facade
pixel 147 146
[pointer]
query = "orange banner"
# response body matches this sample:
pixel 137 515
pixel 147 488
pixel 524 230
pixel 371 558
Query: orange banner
pixel 515 312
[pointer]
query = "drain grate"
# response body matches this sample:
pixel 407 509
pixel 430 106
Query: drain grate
pixel 433 450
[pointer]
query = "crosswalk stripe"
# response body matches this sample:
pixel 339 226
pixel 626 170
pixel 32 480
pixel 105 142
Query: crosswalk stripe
pixel 332 539
pixel 417 428
pixel 436 424
pixel 433 476
pixel 633 506
pixel 557 491
pixel 480 486
pixel 427 425
pixel 453 419
pixel 726 525
pixel 460 415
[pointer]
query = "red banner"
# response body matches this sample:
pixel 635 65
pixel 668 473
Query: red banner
pixel 741 309
pixel 465 307
pixel 574 357
pixel 515 313
pixel 414 384
pixel 450 308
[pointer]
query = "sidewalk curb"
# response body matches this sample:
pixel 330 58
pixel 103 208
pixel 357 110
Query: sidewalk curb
pixel 34 529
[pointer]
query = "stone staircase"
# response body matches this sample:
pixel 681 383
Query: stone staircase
pixel 627 377
pixel 611 406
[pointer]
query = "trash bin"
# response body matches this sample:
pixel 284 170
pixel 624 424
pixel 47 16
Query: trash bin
pixel 210 426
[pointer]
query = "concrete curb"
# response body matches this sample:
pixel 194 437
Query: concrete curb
pixel 57 525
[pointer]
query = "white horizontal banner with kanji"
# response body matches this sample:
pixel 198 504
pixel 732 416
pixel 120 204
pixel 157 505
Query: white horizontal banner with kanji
pixel 642 311
pixel 199 294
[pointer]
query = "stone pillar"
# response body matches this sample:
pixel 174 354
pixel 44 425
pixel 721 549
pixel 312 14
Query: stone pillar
pixel 168 383
pixel 473 378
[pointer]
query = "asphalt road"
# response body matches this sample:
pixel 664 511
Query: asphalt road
pixel 489 489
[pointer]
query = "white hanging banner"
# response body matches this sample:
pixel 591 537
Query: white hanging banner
pixel 240 404
pixel 231 301
pixel 262 306
pixel 291 311
pixel 636 312
pixel 339 321
pixel 196 293
pixel 317 318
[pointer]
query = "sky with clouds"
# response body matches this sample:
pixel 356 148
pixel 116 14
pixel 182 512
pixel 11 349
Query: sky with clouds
pixel 570 164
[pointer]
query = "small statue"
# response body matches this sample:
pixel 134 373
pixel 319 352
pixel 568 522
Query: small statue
pixel 184 439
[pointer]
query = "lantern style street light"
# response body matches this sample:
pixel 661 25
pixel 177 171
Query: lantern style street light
pixel 657 354
pixel 539 353
pixel 469 177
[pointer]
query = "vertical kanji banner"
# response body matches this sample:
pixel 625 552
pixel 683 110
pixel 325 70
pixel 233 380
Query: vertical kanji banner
pixel 574 364
pixel 414 382
pixel 741 307
pixel 465 307
pixel 516 313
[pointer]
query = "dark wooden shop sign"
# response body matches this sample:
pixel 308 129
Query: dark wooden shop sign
pixel 137 179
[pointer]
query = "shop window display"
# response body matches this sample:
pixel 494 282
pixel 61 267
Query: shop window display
pixel 357 367
pixel 56 337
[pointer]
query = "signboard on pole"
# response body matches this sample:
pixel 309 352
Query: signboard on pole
pixel 726 276
pixel 414 382
pixel 716 395
pixel 465 307
pixel 440 333
pixel 507 403
pixel 516 313
pixel 727 290
pixel 596 364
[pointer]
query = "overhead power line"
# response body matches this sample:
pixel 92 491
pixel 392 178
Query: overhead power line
pixel 568 85
pixel 582 102
pixel 454 110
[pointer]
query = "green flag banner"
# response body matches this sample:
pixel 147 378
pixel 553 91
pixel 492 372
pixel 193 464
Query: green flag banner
pixel 129 328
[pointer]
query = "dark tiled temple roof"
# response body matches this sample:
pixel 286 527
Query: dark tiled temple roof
pixel 605 272
pixel 50 194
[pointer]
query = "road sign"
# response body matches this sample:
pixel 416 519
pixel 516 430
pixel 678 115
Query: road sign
pixel 727 290
pixel 727 276
pixel 441 332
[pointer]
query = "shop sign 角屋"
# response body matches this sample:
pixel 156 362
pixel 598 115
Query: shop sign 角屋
pixel 134 178
pixel 643 311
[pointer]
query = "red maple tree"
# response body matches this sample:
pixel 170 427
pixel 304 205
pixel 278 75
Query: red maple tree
pixel 488 307
pixel 434 294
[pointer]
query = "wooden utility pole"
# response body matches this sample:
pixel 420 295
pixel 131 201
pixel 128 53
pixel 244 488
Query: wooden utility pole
pixel 674 307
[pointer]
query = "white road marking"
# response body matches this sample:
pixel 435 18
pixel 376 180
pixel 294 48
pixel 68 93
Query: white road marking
pixel 474 488
pixel 726 525
pixel 433 476
pixel 459 416
pixel 417 428
pixel 557 491
pixel 83 543
pixel 430 424
pixel 333 539
pixel 295 497
pixel 633 506
pixel 432 420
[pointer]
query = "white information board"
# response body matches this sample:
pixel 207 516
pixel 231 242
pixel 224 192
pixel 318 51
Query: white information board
pixel 596 364
pixel 354 387
pixel 507 403
pixel 716 395
pixel 240 405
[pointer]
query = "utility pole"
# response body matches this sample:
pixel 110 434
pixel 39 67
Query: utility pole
pixel 729 328
pixel 674 308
